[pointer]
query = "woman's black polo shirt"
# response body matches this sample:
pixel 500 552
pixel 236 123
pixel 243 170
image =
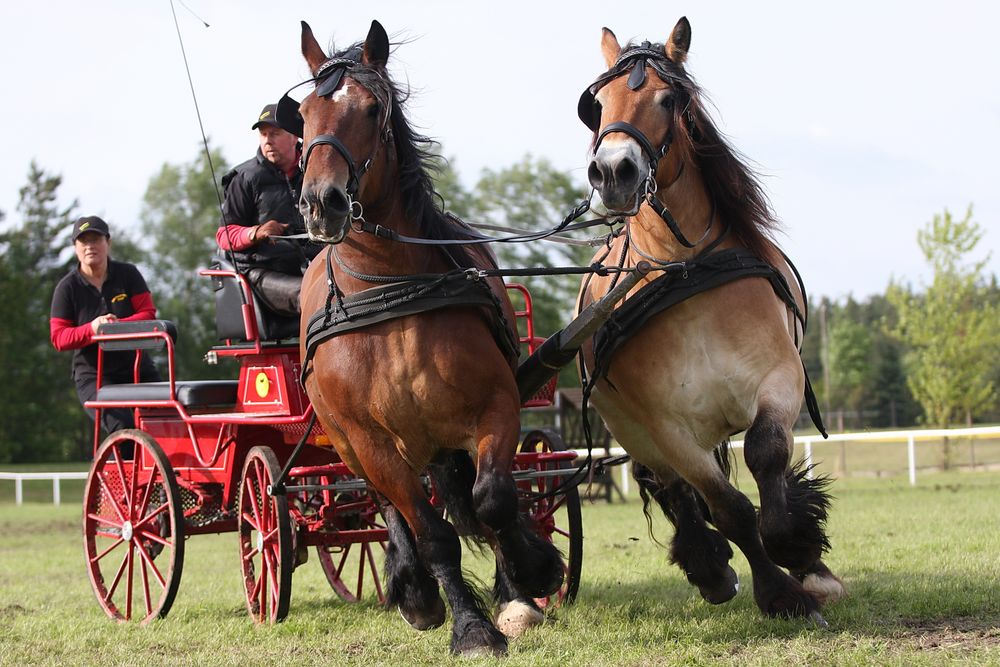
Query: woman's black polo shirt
pixel 78 302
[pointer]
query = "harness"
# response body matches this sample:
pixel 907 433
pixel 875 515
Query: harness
pixel 406 295
pixel 680 282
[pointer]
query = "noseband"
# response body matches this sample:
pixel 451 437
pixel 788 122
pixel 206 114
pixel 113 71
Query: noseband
pixel 633 61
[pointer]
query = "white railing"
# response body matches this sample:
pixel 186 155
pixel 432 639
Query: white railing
pixel 909 437
pixel 56 478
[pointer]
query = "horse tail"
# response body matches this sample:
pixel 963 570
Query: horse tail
pixel 724 457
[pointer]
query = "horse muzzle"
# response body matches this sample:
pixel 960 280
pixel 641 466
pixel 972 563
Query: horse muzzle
pixel 327 213
pixel 617 171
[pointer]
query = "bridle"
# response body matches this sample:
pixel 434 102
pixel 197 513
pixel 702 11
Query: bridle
pixel 328 78
pixel 633 61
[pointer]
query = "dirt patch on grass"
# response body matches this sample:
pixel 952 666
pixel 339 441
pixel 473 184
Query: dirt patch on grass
pixel 8 612
pixel 953 633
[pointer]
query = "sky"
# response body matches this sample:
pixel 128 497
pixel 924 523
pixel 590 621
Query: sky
pixel 865 119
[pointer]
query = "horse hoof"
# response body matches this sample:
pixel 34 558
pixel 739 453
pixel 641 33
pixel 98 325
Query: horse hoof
pixel 818 619
pixel 478 639
pixel 425 619
pixel 725 591
pixel 516 617
pixel 826 588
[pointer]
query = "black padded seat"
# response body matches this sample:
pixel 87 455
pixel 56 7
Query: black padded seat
pixel 190 394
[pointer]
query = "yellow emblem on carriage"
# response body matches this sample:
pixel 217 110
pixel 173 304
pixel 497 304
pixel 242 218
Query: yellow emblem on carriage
pixel 262 384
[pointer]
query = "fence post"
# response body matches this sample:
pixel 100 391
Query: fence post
pixel 808 445
pixel 55 490
pixel 911 453
pixel 625 475
pixel 18 491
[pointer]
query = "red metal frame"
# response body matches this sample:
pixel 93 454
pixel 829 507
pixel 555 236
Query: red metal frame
pixel 208 448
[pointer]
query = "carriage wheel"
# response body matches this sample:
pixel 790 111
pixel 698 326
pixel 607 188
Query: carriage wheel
pixel 265 530
pixel 133 528
pixel 353 569
pixel 558 518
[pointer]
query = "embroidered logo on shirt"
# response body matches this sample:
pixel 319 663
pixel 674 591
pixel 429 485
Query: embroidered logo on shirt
pixel 118 297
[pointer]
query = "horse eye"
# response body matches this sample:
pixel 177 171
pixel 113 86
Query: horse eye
pixel 667 102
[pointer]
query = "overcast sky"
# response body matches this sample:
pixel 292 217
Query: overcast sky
pixel 867 118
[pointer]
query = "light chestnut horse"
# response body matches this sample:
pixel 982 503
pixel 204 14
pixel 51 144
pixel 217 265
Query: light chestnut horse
pixel 679 382
pixel 430 383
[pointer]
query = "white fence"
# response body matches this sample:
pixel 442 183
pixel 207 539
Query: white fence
pixel 807 442
pixel 886 437
pixel 56 478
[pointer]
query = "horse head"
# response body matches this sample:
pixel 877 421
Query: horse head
pixel 636 117
pixel 345 125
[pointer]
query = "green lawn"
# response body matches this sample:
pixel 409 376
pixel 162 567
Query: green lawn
pixel 922 566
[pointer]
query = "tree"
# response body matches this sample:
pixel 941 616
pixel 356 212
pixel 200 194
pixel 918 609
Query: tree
pixel 851 369
pixel 533 195
pixel 40 416
pixel 180 216
pixel 951 329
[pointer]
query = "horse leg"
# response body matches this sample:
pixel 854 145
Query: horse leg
pixel 533 565
pixel 701 553
pixel 793 507
pixel 409 586
pixel 438 547
pixel 775 592
pixel 454 475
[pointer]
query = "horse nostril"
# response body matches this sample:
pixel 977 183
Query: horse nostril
pixel 626 171
pixel 594 175
pixel 335 202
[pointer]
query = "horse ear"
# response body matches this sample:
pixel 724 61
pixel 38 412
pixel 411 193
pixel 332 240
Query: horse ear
pixel 376 51
pixel 610 48
pixel 680 41
pixel 311 50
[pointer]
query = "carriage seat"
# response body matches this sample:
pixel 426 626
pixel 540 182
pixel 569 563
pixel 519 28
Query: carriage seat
pixel 229 310
pixel 189 393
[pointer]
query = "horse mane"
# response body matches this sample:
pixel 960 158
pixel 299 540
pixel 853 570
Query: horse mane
pixel 417 162
pixel 732 184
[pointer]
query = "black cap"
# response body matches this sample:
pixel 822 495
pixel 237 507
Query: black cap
pixel 268 115
pixel 90 223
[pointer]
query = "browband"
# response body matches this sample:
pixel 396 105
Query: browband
pixel 327 79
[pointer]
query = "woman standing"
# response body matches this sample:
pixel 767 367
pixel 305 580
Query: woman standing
pixel 97 291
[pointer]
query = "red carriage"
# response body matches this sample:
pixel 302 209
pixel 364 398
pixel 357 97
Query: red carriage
pixel 206 456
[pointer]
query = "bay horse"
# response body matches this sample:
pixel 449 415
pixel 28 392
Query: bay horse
pixel 421 369
pixel 711 347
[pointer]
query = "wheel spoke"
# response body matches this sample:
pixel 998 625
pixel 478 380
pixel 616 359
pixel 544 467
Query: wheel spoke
pixel 117 579
pixel 133 491
pixel 155 513
pixel 250 521
pixel 109 549
pixel 150 483
pixel 145 587
pixel 361 571
pixel 343 561
pixel 374 571
pixel 129 582
pixel 145 559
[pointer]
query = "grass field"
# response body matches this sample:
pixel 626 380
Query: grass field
pixel 922 566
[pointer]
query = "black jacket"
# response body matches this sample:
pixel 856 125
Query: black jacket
pixel 257 191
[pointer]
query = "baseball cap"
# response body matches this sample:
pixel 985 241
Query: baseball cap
pixel 269 115
pixel 90 223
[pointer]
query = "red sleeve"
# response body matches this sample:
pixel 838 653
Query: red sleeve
pixel 233 237
pixel 66 336
pixel 143 306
